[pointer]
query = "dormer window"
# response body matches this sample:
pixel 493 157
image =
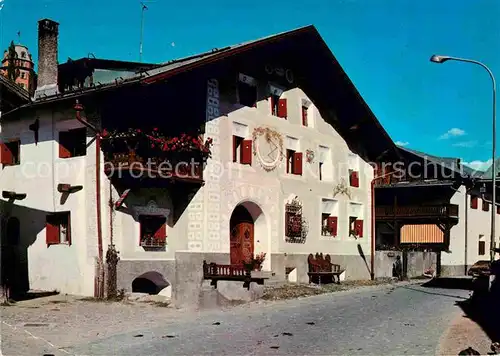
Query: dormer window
pixel 247 91
pixel 278 103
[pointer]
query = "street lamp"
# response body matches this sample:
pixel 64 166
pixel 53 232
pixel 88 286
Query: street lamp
pixel 441 59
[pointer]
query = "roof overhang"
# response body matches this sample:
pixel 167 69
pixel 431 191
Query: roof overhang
pixel 321 77
pixel 417 184
pixel 11 95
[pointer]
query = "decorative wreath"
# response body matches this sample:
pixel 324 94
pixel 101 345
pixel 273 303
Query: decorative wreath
pixel 309 156
pixel 342 188
pixel 270 135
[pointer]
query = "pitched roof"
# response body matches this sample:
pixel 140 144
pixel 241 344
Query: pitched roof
pixel 448 162
pixel 11 94
pixel 488 173
pixel 325 83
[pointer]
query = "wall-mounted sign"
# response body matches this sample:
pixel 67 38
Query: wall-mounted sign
pixel 280 72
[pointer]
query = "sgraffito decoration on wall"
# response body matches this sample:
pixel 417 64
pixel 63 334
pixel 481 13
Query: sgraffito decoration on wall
pixel 272 155
pixel 342 188
pixel 309 156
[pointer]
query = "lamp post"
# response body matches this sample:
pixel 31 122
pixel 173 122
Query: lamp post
pixel 442 59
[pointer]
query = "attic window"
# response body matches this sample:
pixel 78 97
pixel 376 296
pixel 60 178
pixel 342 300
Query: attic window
pixel 247 91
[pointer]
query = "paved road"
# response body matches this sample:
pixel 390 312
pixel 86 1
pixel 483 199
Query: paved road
pixel 389 321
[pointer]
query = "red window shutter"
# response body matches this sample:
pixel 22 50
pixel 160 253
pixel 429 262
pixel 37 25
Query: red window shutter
pixel 498 209
pixel 63 152
pixel 486 206
pixel 5 154
pixel 304 116
pixel 332 225
pixel 271 99
pixel 358 227
pixel 297 163
pixel 161 233
pixel 51 233
pixel 235 148
pixel 246 152
pixel 473 202
pixel 354 179
pixel 282 108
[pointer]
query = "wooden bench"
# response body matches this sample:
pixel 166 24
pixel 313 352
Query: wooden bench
pixel 322 270
pixel 217 272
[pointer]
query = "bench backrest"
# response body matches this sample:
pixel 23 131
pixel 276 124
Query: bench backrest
pixel 319 263
pixel 213 270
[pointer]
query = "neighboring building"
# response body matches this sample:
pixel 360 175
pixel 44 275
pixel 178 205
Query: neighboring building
pixel 439 208
pixel 24 63
pixel 288 173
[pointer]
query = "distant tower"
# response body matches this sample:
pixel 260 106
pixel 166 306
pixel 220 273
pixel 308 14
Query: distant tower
pixel 24 63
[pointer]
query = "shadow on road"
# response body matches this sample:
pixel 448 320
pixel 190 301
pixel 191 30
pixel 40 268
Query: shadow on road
pixel 484 308
pixel 450 283
pixel 434 293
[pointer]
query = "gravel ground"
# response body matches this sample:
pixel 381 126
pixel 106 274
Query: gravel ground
pixel 380 320
pixel 373 319
pixel 63 320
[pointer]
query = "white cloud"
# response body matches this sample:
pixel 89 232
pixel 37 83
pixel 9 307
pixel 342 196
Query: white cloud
pixel 402 143
pixel 479 165
pixel 454 132
pixel 466 144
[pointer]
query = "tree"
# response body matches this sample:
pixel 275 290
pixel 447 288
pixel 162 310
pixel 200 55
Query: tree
pixel 12 70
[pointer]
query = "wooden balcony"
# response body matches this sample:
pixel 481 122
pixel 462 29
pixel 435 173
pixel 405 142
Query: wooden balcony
pixel 126 166
pixel 444 211
pixel 136 156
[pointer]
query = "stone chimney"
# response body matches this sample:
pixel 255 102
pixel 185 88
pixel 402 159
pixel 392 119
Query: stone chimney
pixel 48 32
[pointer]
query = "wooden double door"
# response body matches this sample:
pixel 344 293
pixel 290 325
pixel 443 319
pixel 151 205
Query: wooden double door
pixel 241 236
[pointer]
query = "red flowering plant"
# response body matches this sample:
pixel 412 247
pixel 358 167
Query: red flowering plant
pixel 255 263
pixel 157 141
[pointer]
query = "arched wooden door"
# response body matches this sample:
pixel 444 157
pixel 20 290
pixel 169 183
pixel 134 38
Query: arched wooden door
pixel 242 235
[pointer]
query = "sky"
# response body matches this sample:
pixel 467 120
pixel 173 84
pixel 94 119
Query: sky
pixel 383 45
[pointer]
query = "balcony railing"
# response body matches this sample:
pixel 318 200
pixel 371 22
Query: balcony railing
pixel 138 154
pixel 180 167
pixel 416 212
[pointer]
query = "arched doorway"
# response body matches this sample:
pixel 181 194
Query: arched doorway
pixel 241 237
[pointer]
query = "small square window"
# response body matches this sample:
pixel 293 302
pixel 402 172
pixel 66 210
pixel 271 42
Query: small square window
pixel 293 162
pixel 10 154
pixel 58 228
pixel 153 231
pixel 73 143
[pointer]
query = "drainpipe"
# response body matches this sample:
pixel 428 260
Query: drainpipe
pixel 99 278
pixel 372 257
pixel 111 206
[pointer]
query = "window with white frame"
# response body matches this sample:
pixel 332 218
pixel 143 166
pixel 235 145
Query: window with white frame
pixel 278 103
pixel 306 110
pixel 353 170
pixel 293 156
pixel 355 212
pixel 241 147
pixel 329 217
pixel 324 163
